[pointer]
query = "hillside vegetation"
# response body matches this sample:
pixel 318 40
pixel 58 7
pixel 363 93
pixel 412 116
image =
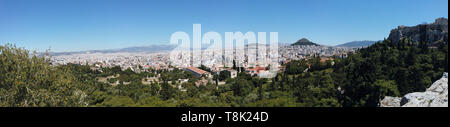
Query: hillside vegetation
pixel 361 79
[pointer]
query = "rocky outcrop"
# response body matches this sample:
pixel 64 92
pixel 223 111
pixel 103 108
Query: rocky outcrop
pixel 433 33
pixel 435 96
pixel 390 102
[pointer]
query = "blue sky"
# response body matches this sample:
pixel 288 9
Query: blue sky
pixel 75 25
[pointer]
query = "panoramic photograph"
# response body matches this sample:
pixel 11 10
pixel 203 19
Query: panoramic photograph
pixel 224 53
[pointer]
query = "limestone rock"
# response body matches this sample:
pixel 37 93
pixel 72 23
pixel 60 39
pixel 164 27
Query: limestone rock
pixel 390 102
pixel 433 33
pixel 435 96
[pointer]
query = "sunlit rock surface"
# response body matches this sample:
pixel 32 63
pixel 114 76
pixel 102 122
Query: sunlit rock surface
pixel 435 96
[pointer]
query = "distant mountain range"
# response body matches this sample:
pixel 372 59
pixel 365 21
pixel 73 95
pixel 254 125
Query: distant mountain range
pixel 152 48
pixel 160 48
pixel 304 41
pixel 364 43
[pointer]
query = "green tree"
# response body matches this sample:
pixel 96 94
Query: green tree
pixel 241 87
pixel 224 75
pixel 28 80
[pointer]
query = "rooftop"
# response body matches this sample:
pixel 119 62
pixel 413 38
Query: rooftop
pixel 197 70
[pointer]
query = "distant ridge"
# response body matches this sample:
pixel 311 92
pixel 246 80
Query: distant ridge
pixel 304 41
pixel 364 43
pixel 152 48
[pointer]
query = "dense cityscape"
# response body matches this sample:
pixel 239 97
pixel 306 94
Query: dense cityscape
pixel 142 61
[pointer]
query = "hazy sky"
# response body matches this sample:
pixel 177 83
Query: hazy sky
pixel 74 25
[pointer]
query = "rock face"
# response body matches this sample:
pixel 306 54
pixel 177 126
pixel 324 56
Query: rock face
pixel 390 102
pixel 435 96
pixel 432 33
